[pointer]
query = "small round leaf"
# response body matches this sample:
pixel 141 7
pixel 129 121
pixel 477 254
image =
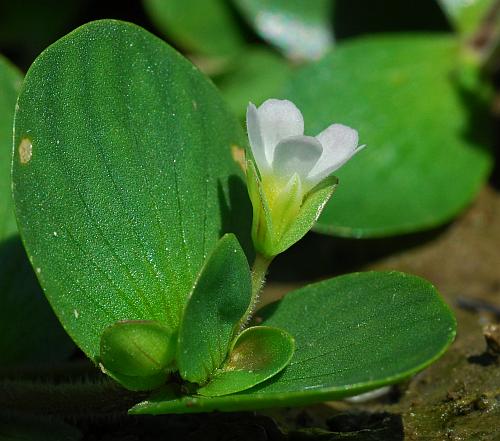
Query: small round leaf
pixel 137 348
pixel 258 354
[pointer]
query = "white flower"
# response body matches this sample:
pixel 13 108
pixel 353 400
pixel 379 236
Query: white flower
pixel 286 197
pixel 282 151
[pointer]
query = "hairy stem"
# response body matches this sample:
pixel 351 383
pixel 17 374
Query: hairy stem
pixel 259 271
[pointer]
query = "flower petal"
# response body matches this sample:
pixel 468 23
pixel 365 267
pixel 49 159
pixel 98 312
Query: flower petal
pixel 339 145
pixel 278 119
pixel 255 138
pixel 297 154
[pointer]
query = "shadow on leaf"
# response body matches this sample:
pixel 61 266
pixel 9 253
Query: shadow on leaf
pixel 236 213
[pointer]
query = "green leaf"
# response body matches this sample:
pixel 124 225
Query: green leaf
pixel 258 354
pixel 204 26
pixel 218 301
pixel 138 348
pixel 123 177
pixel 300 29
pixel 353 333
pixel 426 137
pixel 255 75
pixel 466 16
pixel 29 331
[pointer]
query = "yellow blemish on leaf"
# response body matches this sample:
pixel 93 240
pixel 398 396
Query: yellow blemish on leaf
pixel 25 150
pixel 238 155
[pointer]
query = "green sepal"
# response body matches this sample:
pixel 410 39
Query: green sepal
pixel 277 229
pixel 219 299
pixel 262 225
pixel 313 205
pixel 287 206
pixel 258 354
pixel 137 349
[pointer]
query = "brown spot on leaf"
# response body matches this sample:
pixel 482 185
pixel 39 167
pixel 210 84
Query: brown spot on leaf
pixel 238 154
pixel 25 150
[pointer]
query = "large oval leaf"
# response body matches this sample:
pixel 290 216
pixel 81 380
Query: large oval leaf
pixel 353 333
pixel 425 157
pixel 123 177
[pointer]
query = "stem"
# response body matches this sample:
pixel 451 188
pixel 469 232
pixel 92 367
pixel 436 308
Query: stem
pixel 259 271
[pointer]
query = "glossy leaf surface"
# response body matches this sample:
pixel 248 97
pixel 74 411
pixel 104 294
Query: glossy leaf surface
pixel 258 354
pixel 353 333
pixel 426 156
pixel 218 301
pixel 123 177
pixel 300 29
